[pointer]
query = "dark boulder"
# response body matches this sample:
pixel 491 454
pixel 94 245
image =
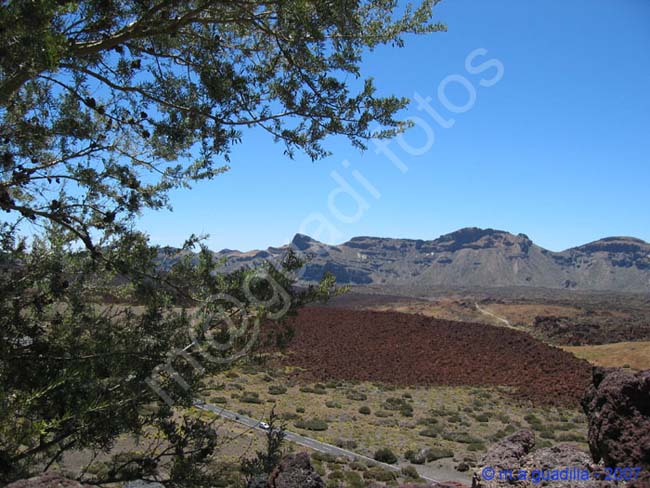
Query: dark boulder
pixel 295 471
pixel 515 454
pixel 617 406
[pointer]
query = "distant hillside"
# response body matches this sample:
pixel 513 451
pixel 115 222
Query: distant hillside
pixel 467 258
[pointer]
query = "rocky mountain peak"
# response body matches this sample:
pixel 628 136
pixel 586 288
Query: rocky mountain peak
pixel 302 242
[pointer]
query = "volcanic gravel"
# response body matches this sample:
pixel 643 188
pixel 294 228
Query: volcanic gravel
pixel 407 349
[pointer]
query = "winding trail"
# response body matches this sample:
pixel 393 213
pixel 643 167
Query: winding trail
pixel 487 312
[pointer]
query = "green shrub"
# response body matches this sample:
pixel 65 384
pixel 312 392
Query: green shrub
pixel 432 431
pixel 354 480
pixel 356 396
pixel 300 409
pixel 323 457
pixel 571 437
pixel 332 404
pixel 289 416
pixel 428 421
pixel 251 397
pixel 336 474
pixel 410 472
pixel 220 400
pixel 378 473
pixel 532 419
pixel 476 446
pixel 277 390
pixel 385 455
pixel 547 434
pixel 358 466
pixel 484 417
pixel 311 424
pixel 383 414
pixel 364 410
pixel 318 389
pixel 435 453
pixel 346 443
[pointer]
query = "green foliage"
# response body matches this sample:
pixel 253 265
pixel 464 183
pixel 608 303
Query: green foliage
pixel 128 101
pixel 251 397
pixel 431 431
pixel 410 472
pixel 364 410
pixel 105 108
pixel 317 390
pixel 385 455
pixel 311 424
pixel 379 474
pixel 356 396
pixel 436 453
pixel 277 389
pixel 265 461
pixel 354 480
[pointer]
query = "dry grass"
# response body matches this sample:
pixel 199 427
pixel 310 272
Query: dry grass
pixel 525 313
pixel 444 309
pixel 481 413
pixel 636 355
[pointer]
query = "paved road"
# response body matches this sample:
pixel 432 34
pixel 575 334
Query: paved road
pixel 299 439
pixel 487 312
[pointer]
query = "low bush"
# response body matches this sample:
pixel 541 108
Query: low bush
pixel 251 397
pixel 311 424
pixel 432 431
pixel 277 390
pixel 289 416
pixel 323 457
pixel 346 443
pixel 364 410
pixel 378 473
pixel 317 389
pixel 385 455
pixel 356 396
pixel 410 472
pixel 435 453
pixel 354 480
pixel 358 466
pixel 570 437
pixel 476 447
pixel 428 421
pixel 332 404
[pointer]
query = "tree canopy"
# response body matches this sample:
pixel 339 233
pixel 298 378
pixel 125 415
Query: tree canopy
pixel 105 106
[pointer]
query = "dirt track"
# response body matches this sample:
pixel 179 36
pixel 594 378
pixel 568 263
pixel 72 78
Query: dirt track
pixel 409 349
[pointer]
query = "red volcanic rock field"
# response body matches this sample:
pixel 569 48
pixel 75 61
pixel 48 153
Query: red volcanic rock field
pixel 408 349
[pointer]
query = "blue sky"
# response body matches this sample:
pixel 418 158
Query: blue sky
pixel 557 147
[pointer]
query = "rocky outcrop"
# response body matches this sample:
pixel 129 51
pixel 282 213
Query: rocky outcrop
pixel 48 480
pixel 617 406
pixel 564 465
pixel 295 471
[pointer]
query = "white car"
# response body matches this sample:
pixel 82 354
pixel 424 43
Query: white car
pixel 265 426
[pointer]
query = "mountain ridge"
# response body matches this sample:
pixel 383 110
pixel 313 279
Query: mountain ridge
pixel 467 258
